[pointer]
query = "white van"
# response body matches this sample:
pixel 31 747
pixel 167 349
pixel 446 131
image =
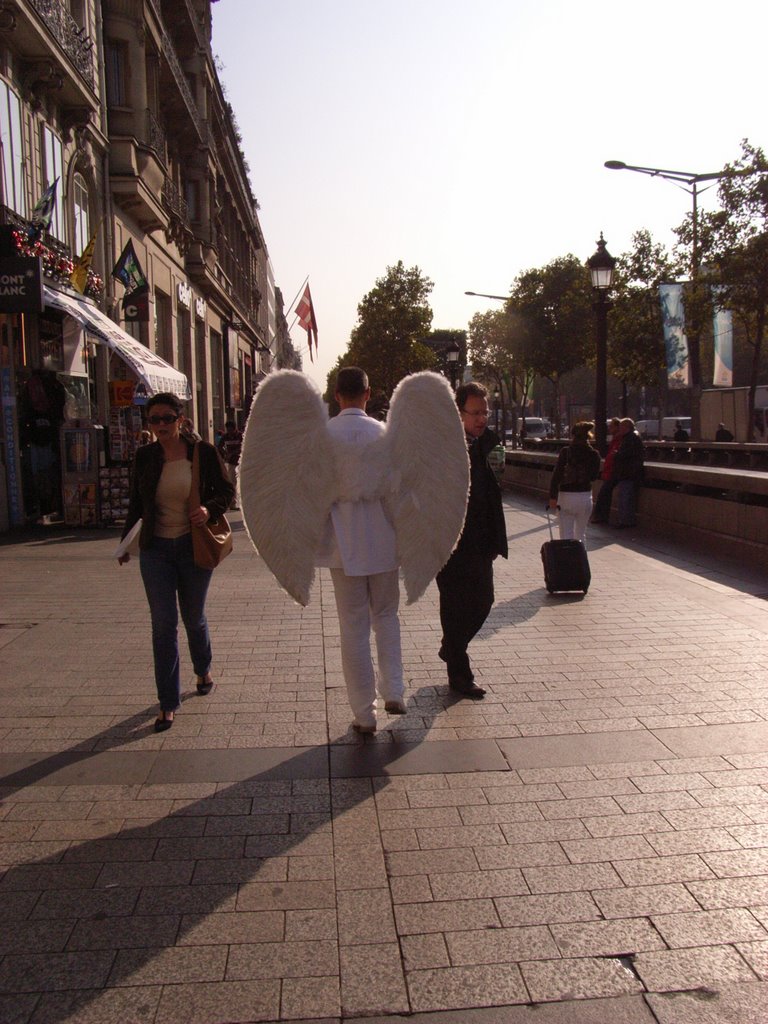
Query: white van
pixel 649 429
pixel 536 428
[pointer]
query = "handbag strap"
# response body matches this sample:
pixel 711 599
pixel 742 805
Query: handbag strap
pixel 194 490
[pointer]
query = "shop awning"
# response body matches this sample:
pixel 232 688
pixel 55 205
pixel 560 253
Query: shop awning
pixel 151 370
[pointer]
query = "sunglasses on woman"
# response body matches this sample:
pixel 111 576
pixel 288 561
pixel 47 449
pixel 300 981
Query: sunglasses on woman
pixel 167 419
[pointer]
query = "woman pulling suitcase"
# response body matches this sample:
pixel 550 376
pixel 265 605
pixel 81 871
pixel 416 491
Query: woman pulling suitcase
pixel 570 490
pixel 566 567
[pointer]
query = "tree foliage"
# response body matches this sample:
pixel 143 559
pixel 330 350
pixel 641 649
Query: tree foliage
pixel 635 336
pixel 393 321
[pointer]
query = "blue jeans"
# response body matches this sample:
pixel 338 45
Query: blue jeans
pixel 168 570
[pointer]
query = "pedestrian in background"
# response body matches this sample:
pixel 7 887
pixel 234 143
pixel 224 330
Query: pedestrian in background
pixel 628 471
pixel 602 508
pixel 160 492
pixel 680 434
pixel 230 445
pixel 466 581
pixel 570 489
pixel 723 434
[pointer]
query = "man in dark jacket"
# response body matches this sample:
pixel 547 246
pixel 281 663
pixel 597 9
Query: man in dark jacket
pixel 466 581
pixel 628 473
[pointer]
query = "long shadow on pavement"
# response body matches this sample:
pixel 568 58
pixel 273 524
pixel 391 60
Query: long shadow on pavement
pixel 137 902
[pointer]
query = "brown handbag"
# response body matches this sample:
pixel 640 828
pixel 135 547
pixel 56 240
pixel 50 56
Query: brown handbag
pixel 212 542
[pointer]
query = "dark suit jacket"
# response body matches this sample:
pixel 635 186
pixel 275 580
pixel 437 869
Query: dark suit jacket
pixel 216 492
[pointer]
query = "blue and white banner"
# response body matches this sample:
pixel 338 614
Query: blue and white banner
pixel 722 329
pixel 675 341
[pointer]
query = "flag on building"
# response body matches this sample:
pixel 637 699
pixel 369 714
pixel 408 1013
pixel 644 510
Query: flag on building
pixel 128 270
pixel 42 213
pixel 305 311
pixel 79 276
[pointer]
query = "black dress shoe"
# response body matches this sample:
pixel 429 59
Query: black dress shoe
pixel 163 724
pixel 470 690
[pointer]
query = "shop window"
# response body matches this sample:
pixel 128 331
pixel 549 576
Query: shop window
pixel 163 335
pixel 116 64
pixel 53 160
pixel 184 342
pixel 217 378
pixel 82 219
pixel 12 151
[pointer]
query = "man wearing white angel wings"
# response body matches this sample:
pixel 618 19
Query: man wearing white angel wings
pixel 360 499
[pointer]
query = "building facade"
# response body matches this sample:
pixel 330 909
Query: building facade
pixel 119 103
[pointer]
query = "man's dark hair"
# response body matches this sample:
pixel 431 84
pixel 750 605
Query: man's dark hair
pixel 351 382
pixel 165 398
pixel 471 389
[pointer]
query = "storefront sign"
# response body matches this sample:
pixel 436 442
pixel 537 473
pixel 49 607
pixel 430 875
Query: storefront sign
pixel 13 480
pixel 121 393
pixel 136 306
pixel 21 284
pixel 200 309
pixel 184 293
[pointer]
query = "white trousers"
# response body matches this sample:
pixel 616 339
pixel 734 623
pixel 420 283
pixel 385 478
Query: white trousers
pixel 575 510
pixel 362 602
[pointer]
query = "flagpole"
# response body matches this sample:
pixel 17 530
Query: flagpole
pixel 299 292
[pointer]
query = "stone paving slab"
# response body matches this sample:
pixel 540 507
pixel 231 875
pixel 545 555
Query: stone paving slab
pixel 587 844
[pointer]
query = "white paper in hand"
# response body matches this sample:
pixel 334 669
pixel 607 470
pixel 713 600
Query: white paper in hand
pixel 129 545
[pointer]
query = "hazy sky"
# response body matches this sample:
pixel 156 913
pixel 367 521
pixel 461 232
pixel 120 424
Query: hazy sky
pixel 468 138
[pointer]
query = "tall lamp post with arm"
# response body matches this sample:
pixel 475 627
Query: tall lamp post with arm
pixel 689 182
pixel 601 266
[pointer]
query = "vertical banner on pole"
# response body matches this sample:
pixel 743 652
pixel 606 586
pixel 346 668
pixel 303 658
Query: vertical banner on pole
pixel 675 341
pixel 722 329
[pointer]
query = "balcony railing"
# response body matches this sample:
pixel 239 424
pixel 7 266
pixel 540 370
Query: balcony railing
pixel 155 137
pixel 193 110
pixel 174 201
pixel 72 39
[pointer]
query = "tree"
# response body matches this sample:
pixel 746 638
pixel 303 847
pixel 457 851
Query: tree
pixel 393 321
pixel 635 339
pixel 495 355
pixel 554 306
pixel 736 240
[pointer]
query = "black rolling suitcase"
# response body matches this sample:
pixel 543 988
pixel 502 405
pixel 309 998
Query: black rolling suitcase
pixel 566 566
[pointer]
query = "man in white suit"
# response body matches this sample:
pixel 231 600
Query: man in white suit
pixel 360 549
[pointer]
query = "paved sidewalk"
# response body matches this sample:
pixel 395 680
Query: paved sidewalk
pixel 587 845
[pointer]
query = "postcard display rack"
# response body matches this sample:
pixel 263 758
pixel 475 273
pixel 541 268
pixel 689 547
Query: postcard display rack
pixel 114 480
pixel 82 460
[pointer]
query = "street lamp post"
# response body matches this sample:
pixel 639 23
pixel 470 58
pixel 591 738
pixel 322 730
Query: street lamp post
pixel 452 354
pixel 601 267
pixel 692 181
pixel 496 410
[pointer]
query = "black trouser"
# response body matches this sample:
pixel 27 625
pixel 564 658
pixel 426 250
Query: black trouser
pixel 466 597
pixel 602 509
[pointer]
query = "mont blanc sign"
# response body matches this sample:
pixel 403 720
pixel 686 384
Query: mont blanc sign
pixel 21 284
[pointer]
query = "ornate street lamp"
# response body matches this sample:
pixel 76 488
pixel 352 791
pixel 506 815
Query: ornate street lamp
pixel 452 354
pixel 601 267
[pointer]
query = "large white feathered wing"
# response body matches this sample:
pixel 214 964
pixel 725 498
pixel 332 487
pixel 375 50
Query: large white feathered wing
pixel 286 477
pixel 429 477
